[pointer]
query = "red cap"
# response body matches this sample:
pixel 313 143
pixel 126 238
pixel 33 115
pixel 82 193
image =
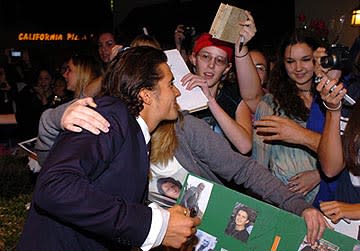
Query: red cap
pixel 205 40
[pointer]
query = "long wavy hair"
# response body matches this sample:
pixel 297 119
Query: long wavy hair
pixel 130 71
pixel 164 141
pixel 351 141
pixel 282 87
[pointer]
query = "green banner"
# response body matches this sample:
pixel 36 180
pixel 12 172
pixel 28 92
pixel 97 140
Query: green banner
pixel 232 221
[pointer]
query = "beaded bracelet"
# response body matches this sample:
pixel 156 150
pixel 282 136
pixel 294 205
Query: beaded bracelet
pixel 243 55
pixel 333 109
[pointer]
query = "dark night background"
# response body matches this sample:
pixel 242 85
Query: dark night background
pixel 273 18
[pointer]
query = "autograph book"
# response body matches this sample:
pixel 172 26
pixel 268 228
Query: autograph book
pixel 225 25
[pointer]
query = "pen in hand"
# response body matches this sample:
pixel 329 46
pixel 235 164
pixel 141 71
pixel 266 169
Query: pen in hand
pixel 346 220
pixel 242 40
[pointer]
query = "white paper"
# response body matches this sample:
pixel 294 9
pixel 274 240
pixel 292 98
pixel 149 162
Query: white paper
pixel 191 100
pixel 29 146
pixel 351 230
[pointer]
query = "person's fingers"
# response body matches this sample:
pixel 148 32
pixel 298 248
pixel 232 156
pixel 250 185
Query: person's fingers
pixel 77 124
pixel 275 120
pixel 94 122
pixel 92 128
pixel 72 128
pixel 96 118
pixel 312 234
pixel 79 115
pixel 320 86
pixel 291 184
pixel 269 137
pixel 196 221
pixel 292 189
pixel 266 131
pixel 179 209
pixel 331 211
pixel 322 226
pixel 295 177
pixel 263 124
pixel 88 101
pixel 316 226
pixel 195 82
pixel 115 50
pixel 187 78
pixel 297 189
pixel 300 189
pixel 249 16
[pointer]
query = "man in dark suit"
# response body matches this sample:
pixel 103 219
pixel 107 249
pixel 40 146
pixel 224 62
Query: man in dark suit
pixel 90 191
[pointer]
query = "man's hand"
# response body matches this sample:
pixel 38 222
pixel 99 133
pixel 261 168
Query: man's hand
pixel 304 182
pixel 78 116
pixel 181 227
pixel 315 223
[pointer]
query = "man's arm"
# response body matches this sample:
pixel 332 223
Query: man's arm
pixel 65 190
pixel 72 116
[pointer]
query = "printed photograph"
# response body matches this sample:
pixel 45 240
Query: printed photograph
pixel 206 242
pixel 320 245
pixel 356 247
pixel 196 196
pixel 241 222
pixel 165 189
pixel 169 187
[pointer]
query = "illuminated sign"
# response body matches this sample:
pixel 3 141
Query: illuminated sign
pixel 51 37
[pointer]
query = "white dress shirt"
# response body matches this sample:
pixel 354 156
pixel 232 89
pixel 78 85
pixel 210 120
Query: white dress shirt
pixel 160 216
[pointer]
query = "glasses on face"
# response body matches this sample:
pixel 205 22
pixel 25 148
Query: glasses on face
pixel 260 67
pixel 207 58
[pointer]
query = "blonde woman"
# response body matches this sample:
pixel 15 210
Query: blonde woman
pixel 83 75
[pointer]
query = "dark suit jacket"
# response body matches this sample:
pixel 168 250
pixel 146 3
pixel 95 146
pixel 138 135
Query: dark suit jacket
pixel 90 191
